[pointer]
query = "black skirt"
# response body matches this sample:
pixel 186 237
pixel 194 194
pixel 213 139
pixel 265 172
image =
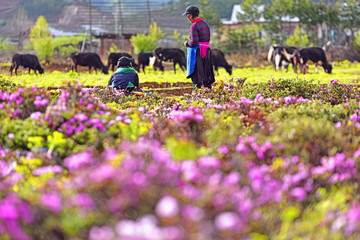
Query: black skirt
pixel 203 74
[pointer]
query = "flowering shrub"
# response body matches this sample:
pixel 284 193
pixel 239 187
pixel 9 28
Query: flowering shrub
pixel 271 161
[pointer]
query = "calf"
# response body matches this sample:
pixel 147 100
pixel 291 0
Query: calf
pixel 219 60
pixel 175 55
pixel 92 60
pixel 312 55
pixel 27 61
pixel 114 57
pixel 281 56
pixel 148 59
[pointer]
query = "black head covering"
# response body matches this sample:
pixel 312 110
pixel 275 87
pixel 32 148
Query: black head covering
pixel 124 62
pixel 193 10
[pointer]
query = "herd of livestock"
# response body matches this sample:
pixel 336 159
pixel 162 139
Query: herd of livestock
pixel 92 60
pixel 277 55
pixel 284 55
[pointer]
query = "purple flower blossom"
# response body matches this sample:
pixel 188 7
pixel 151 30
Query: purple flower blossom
pixel 167 207
pixel 354 117
pixel 241 147
pixel 259 98
pixel 79 160
pixel 48 169
pixel 83 200
pixel 192 212
pixel 53 201
pixel 223 149
pixel 101 233
pixel 190 171
pixel 5 168
pixel 227 221
pixel 231 179
pixel 81 117
pixel 103 173
pixel 299 194
pixel 36 116
pixel 8 211
pixel 209 162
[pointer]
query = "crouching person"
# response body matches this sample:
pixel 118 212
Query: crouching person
pixel 125 78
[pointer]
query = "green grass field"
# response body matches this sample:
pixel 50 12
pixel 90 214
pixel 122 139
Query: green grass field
pixel 343 72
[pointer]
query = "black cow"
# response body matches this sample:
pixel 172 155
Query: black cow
pixel 27 61
pixel 312 55
pixel 281 56
pixel 92 60
pixel 175 55
pixel 114 57
pixel 219 60
pixel 148 59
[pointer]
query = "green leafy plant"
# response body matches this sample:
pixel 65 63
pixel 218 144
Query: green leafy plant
pixel 147 42
pixel 41 39
pixel 299 39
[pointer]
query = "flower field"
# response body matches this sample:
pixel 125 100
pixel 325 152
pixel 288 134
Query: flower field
pixel 278 159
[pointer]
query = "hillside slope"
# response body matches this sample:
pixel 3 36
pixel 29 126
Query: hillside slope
pixel 7 8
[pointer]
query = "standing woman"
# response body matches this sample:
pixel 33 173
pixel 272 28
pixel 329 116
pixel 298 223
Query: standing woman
pixel 199 60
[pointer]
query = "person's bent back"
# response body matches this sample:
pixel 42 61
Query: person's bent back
pixel 125 77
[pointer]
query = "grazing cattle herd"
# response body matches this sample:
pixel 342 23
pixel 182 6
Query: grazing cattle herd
pixel 284 55
pixel 278 56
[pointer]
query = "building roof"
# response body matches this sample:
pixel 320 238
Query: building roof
pixel 237 10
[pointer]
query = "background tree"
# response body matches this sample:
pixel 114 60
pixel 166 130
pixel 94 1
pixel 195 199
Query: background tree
pixel 273 14
pixel 332 18
pixel 350 16
pixel 245 40
pixel 208 13
pixel 21 23
pixel 251 11
pixel 41 39
pixel 298 39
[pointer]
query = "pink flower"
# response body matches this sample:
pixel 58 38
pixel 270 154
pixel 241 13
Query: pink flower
pixel 8 211
pixel 103 173
pixel 81 117
pixel 354 117
pixel 5 169
pixel 83 200
pixel 231 179
pixel 190 171
pixel 36 116
pixel 101 233
pixel 299 194
pixel 167 207
pixel 209 162
pixel 223 149
pixel 48 169
pixel 227 221
pixel 79 160
pixel 53 201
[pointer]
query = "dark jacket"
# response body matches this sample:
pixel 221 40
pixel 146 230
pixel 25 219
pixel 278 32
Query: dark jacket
pixel 123 78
